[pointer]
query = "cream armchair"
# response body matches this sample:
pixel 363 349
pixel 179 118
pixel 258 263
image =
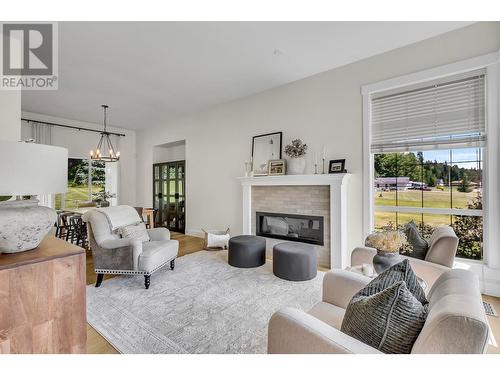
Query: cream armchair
pixel 440 256
pixel 456 322
pixel 293 331
pixel 114 255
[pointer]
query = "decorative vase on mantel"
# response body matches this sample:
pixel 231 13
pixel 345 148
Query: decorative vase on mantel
pixel 387 244
pixel 296 151
pixel 297 165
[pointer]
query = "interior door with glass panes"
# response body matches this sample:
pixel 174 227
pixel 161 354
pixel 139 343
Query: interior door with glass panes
pixel 169 195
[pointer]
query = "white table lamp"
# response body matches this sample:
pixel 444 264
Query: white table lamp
pixel 29 169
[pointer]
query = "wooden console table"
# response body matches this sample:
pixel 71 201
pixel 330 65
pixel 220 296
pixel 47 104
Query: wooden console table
pixel 42 299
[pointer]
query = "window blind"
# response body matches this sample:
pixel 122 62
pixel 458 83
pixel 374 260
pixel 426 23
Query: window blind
pixel 442 114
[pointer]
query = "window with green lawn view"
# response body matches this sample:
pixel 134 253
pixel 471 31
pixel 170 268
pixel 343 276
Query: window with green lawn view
pixel 432 188
pixel 427 146
pixel 85 179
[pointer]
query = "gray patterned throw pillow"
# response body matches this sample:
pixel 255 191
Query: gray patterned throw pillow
pixel 399 272
pixel 389 320
pixel 418 244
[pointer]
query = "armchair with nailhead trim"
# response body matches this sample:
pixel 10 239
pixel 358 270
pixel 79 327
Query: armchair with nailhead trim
pixel 128 256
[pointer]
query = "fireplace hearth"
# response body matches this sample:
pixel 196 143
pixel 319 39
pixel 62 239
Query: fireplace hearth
pixel 290 227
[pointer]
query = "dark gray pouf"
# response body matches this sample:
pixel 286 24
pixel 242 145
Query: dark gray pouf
pixel 294 261
pixel 247 251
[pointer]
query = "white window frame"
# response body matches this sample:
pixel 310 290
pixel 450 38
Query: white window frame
pixel 89 183
pixel 491 170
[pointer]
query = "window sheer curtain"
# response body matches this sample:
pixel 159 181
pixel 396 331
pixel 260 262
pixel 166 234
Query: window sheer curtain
pixel 42 133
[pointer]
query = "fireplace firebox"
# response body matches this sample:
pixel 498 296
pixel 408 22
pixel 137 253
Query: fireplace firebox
pixel 290 227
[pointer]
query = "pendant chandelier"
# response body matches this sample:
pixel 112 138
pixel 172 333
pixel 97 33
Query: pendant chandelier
pixel 105 150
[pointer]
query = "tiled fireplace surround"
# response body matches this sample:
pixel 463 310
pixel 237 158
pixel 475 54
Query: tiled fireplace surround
pixel 301 200
pixel 318 195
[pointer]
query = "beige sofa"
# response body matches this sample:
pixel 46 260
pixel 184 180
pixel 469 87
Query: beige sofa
pixel 456 322
pixel 440 257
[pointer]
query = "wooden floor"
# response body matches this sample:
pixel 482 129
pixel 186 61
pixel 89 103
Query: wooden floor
pixel 96 344
pixel 494 347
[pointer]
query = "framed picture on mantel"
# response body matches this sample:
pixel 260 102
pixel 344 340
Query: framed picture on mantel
pixel 277 167
pixel 265 147
pixel 337 166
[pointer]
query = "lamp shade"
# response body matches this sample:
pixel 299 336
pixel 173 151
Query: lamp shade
pixel 32 169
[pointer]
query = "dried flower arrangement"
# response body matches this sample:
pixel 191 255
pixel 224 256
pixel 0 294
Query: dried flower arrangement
pixel 389 241
pixel 296 149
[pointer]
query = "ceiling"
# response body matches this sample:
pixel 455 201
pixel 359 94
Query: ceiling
pixel 150 73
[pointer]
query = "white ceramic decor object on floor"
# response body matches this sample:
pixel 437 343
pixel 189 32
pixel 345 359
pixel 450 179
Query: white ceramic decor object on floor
pixel 216 239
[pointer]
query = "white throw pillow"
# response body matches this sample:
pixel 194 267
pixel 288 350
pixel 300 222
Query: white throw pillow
pixel 137 230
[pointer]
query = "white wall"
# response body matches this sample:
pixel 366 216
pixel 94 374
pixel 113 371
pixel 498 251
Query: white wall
pixel 10 115
pixel 79 144
pixel 169 152
pixel 325 109
pixel 10 112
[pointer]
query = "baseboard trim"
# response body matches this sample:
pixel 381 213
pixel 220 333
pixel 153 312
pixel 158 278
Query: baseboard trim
pixel 491 290
pixel 490 287
pixel 489 278
pixel 195 233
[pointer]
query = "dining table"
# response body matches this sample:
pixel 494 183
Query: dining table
pixel 81 210
pixel 147 212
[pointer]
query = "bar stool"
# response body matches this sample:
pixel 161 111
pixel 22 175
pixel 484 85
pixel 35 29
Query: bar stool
pixel 78 230
pixel 63 226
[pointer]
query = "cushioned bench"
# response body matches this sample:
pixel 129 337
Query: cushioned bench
pixel 294 261
pixel 247 251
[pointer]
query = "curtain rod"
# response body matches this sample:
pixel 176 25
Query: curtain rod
pixel 72 127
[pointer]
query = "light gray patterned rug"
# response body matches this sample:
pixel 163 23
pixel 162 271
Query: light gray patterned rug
pixel 203 306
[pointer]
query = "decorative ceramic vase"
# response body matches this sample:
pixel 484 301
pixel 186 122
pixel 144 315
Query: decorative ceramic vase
pixel 296 166
pixel 384 260
pixel 24 224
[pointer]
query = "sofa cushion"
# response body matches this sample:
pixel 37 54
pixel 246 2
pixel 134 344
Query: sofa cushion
pixel 328 313
pixel 137 231
pixel 156 253
pixel 389 320
pixel 418 244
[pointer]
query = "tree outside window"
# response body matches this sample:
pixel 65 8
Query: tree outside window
pixel 85 178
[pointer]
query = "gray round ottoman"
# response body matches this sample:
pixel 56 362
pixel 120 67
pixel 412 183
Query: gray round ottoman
pixel 294 261
pixel 247 251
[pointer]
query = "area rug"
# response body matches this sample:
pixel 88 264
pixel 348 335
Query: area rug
pixel 203 306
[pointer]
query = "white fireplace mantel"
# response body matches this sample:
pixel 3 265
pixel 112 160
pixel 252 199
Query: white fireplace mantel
pixel 339 254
